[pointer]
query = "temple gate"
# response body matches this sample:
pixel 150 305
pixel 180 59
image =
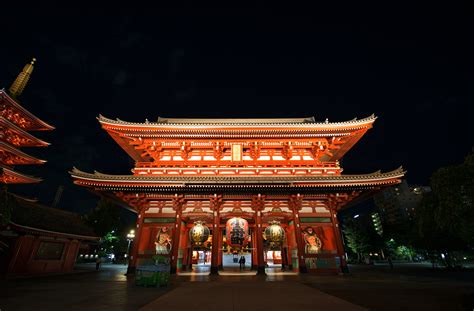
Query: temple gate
pixel 284 172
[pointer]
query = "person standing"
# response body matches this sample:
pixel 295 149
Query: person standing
pixel 242 262
pixel 389 259
pixel 97 263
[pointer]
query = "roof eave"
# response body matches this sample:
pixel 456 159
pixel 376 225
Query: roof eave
pixel 43 126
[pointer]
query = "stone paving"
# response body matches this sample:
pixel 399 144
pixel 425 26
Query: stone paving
pixel 371 287
pixel 248 294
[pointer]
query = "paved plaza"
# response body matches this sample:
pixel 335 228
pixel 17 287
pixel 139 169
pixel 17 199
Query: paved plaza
pixel 407 287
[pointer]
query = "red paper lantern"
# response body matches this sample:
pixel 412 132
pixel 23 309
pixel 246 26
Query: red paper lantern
pixel 237 231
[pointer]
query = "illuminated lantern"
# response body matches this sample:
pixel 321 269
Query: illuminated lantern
pixel 237 231
pixel 275 235
pixel 199 234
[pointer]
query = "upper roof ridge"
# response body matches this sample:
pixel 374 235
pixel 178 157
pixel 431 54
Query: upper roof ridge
pixel 235 121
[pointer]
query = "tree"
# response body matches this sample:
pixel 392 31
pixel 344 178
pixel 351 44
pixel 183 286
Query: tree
pixel 453 187
pixel 361 240
pixel 444 217
pixel 105 218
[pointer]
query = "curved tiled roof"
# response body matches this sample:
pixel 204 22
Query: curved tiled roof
pixel 8 175
pixel 33 141
pixel 38 124
pixel 38 216
pixel 197 123
pixel 137 180
pixel 30 159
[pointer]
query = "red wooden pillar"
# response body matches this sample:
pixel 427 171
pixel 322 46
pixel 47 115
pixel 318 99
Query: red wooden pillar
pixel 190 257
pixel 258 233
pixel 292 245
pixel 183 241
pixel 177 205
pixel 216 203
pixel 186 249
pixel 296 202
pixel 132 262
pixel 219 251
pixel 339 244
pixel 258 204
pixel 299 242
pixel 254 249
pixel 288 250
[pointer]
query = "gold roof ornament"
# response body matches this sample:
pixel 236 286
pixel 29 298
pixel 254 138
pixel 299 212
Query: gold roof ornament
pixel 20 82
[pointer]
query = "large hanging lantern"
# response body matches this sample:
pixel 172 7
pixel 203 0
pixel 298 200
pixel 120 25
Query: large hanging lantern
pixel 199 234
pixel 275 235
pixel 237 231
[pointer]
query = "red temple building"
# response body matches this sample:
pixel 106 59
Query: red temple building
pixel 267 189
pixel 34 239
pixel 15 123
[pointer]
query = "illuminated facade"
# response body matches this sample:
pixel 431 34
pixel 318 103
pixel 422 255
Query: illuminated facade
pixel 15 122
pixel 263 171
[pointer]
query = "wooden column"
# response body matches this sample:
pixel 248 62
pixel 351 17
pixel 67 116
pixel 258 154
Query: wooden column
pixel 258 204
pixel 254 249
pixel 182 246
pixel 190 258
pixel 292 244
pixel 288 250
pixel 132 262
pixel 216 203
pixel 295 203
pixel 178 202
pixel 185 251
pixel 337 234
pixel 219 251
pixel 284 258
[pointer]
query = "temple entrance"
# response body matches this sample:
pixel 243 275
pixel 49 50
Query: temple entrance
pixel 237 247
pixel 201 258
pixel 273 259
pixel 232 261
pixel 200 262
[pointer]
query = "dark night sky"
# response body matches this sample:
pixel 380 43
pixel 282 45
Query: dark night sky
pixel 412 67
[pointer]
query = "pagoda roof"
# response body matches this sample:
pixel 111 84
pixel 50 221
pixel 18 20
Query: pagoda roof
pixel 122 182
pixel 19 137
pixel 11 156
pixel 9 176
pixel 308 122
pixel 124 133
pixel 31 122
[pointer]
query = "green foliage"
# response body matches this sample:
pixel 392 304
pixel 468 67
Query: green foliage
pixel 445 217
pixel 453 187
pixel 112 243
pixel 404 252
pixel 361 240
pixel 430 236
pixel 110 237
pixel 105 220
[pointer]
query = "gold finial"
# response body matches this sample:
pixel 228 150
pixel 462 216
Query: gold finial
pixel 20 82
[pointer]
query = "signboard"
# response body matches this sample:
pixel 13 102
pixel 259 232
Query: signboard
pixel 236 153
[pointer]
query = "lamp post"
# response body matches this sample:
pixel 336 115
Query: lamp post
pixel 130 237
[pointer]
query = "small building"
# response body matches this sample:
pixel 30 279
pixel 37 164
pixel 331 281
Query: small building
pixel 40 239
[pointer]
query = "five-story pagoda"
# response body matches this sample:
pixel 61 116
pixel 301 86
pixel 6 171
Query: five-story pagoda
pixel 15 124
pixel 254 173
